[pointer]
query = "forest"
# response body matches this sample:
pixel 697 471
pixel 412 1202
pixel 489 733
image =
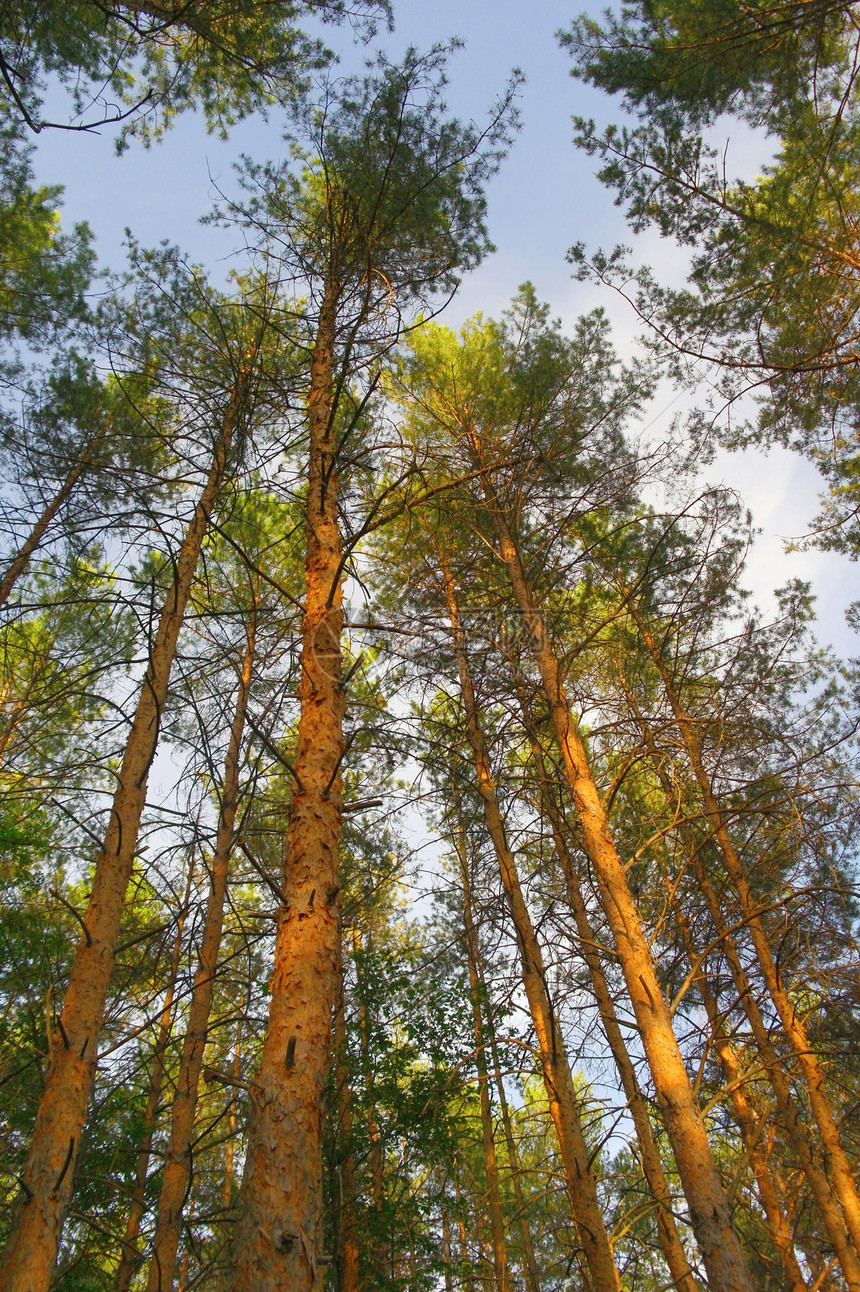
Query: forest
pixel 423 864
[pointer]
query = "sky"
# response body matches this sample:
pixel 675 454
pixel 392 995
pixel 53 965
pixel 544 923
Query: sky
pixel 544 199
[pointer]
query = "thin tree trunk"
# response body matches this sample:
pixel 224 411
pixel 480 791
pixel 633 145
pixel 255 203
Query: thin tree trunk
pixel 280 1234
pixel 563 1101
pixel 529 1265
pixel 131 1258
pixel 491 1165
pixel 746 1120
pixel 709 1209
pixel 791 1115
pixel 31 1252
pixel 447 1255
pixel 347 1220
pixel 236 1072
pixel 21 559
pixel 376 1155
pixel 465 1258
pixel 670 1242
pixel 177 1166
pixel 840 1168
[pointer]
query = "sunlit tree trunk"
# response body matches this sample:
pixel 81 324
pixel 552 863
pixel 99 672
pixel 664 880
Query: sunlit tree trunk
pixel 652 1167
pixel 791 1115
pixel 563 1102
pixel 280 1235
pixel 746 1121
pixel 709 1209
pixel 177 1165
pixel 840 1168
pixel 131 1258
pixel 47 1180
pixel 491 1166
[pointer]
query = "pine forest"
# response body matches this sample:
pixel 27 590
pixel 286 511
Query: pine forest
pixel 424 864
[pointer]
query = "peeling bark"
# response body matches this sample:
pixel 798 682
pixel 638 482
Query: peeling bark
pixel 280 1235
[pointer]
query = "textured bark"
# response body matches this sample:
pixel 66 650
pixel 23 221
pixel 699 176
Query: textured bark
pixel 563 1102
pixel 131 1258
pixel 791 1115
pixel 491 1165
pixel 841 1173
pixel 709 1209
pixel 280 1234
pixel 177 1164
pixel 21 559
pixel 31 1252
pixel 652 1167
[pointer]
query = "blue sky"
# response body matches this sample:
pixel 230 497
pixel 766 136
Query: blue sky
pixel 544 199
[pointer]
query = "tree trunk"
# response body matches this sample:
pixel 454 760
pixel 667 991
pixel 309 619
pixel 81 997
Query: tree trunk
pixel 709 1209
pixel 840 1168
pixel 377 1181
pixel 280 1234
pixel 177 1166
pixel 746 1120
pixel 21 559
pixel 789 1111
pixel 561 1094
pixel 131 1258
pixel 230 1153
pixel 529 1264
pixel 652 1167
pixel 31 1252
pixel 491 1166
pixel 347 1220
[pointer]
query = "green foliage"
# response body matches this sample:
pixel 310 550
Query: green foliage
pixel 44 272
pixel 773 297
pixel 381 203
pixel 140 63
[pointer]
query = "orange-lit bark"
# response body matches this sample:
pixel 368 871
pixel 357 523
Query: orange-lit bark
pixel 652 1167
pixel 280 1235
pixel 746 1121
pixel 709 1209
pixel 841 1173
pixel 31 1252
pixel 177 1165
pixel 131 1258
pixel 563 1102
pixel 792 1118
